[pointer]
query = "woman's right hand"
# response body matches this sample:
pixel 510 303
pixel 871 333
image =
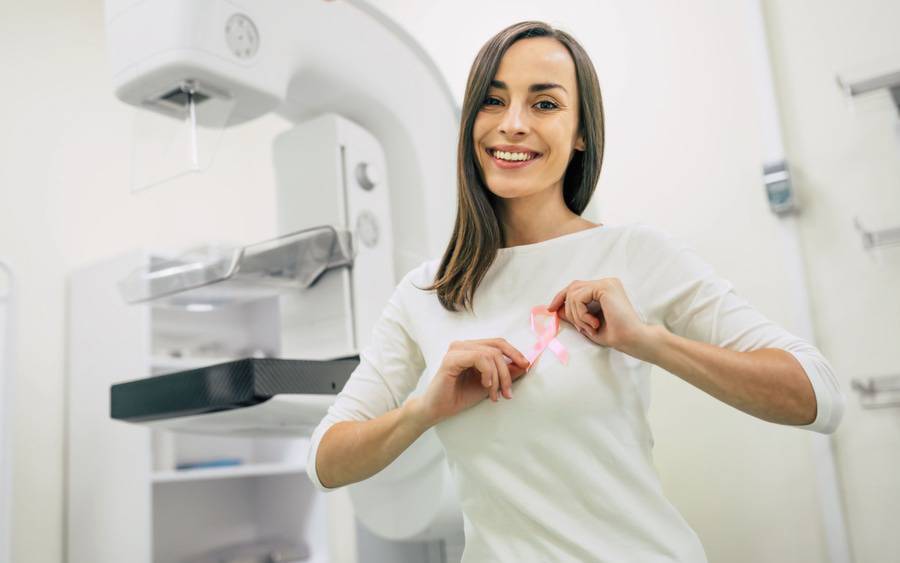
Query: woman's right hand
pixel 471 371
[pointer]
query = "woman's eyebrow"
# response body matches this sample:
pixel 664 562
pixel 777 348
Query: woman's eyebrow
pixel 533 88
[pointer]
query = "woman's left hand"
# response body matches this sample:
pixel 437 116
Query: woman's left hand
pixel 601 311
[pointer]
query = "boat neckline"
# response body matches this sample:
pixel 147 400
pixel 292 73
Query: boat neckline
pixel 551 241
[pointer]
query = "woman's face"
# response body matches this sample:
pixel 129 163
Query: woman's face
pixel 531 111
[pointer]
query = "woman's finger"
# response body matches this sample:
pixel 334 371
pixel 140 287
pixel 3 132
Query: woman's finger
pixel 562 313
pixel 507 370
pixel 495 387
pixel 479 365
pixel 557 300
pixel 482 368
pixel 505 378
pixel 486 363
pixel 570 311
pixel 582 312
pixel 586 313
pixel 509 350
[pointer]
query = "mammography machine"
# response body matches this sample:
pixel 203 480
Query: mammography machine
pixel 365 191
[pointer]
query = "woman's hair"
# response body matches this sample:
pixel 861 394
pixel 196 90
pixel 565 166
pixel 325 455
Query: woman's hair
pixel 477 233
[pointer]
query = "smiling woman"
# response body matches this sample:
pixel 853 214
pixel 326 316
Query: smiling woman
pixel 563 471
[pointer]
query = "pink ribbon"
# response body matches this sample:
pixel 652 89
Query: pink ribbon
pixel 546 326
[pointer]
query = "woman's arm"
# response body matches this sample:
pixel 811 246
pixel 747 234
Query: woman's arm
pixel 675 312
pixel 471 371
pixel 351 451
pixel 370 408
pixel 703 332
pixel 768 383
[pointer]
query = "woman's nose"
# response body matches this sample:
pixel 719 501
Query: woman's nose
pixel 514 121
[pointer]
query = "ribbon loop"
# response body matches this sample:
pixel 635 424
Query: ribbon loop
pixel 546 326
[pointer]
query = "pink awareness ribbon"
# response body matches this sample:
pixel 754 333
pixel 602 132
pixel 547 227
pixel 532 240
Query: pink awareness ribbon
pixel 546 326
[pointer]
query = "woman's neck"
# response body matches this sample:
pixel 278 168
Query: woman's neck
pixel 535 218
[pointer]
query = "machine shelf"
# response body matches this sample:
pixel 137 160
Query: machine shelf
pixel 210 277
pixel 160 363
pixel 248 470
pixel 251 396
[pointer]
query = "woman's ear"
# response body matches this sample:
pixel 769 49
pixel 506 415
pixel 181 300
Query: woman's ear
pixel 579 143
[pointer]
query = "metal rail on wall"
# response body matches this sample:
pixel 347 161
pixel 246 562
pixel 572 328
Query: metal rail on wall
pixel 878 391
pixel 873 239
pixel 7 317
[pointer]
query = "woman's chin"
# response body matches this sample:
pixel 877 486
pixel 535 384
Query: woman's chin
pixel 504 194
pixel 508 192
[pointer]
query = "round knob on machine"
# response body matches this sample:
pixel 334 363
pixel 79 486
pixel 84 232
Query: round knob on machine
pixel 367 175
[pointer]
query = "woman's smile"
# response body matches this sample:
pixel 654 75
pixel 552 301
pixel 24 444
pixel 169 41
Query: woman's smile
pixel 512 159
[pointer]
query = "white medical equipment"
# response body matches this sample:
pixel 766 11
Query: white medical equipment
pixel 366 191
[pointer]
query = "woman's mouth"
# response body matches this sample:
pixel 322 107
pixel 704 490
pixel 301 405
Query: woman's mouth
pixel 507 160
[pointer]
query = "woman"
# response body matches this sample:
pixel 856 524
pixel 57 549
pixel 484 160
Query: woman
pixel 561 468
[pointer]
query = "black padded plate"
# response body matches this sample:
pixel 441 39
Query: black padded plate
pixel 231 385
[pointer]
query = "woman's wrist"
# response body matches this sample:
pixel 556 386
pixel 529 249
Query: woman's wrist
pixel 414 412
pixel 648 343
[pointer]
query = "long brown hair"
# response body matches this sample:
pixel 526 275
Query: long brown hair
pixel 477 233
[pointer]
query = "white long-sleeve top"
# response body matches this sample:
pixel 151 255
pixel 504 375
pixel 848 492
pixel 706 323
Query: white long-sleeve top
pixel 563 471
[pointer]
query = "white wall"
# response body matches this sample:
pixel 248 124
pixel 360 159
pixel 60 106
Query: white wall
pixel 682 153
pixel 846 160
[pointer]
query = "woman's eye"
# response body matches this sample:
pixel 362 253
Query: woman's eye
pixel 489 101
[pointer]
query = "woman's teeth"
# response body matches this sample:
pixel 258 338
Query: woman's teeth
pixel 513 155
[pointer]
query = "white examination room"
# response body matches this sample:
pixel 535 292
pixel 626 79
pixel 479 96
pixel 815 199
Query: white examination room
pixel 385 281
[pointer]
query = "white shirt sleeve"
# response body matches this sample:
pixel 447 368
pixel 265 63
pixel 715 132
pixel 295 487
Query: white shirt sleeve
pixel 678 289
pixel 389 369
